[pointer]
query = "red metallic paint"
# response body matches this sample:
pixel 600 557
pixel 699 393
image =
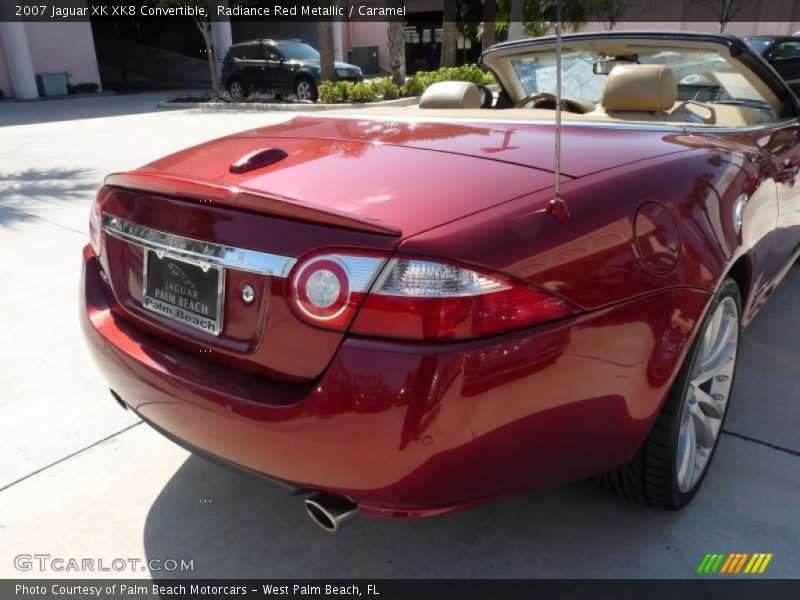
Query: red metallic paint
pixel 657 237
pixel 534 408
pixel 414 429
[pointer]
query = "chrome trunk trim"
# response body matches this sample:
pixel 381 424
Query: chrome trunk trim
pixel 229 257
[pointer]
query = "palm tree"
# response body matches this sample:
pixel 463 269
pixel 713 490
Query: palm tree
pixel 449 29
pixel 326 65
pixel 397 44
pixel 539 16
pixel 489 17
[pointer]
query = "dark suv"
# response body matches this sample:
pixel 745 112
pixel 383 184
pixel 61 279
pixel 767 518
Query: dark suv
pixel 783 53
pixel 282 66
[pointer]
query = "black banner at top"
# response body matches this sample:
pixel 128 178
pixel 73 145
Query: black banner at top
pixel 207 10
pixel 575 11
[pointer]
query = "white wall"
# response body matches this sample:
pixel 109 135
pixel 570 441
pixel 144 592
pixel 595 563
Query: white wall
pixel 58 47
pixel 64 47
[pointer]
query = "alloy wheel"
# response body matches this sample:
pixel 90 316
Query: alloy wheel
pixel 236 89
pixel 304 90
pixel 707 393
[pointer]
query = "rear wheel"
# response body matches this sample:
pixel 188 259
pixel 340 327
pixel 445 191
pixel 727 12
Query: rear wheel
pixel 670 466
pixel 236 88
pixel 305 89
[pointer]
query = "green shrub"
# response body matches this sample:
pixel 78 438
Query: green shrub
pixel 82 88
pixel 361 92
pixel 333 92
pixel 418 82
pixel 386 88
pixel 86 87
pixel 413 86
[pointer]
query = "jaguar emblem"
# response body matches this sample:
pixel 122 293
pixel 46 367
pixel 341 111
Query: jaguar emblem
pixel 182 277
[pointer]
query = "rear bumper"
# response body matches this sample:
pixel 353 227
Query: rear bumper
pixel 410 430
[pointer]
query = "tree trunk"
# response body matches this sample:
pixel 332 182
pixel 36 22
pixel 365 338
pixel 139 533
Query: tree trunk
pixel 327 68
pixel 515 27
pixel 212 67
pixel 489 18
pixel 397 45
pixel 449 34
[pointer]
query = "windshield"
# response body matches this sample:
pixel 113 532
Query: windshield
pixel 703 76
pixel 298 51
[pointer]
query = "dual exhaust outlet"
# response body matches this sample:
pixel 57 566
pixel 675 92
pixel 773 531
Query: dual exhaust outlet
pixel 330 512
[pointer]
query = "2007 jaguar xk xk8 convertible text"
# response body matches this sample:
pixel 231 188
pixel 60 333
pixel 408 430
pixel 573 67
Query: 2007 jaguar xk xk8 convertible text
pixel 395 312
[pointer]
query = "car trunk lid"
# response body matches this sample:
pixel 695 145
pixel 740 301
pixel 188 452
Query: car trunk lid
pixel 399 189
pixel 324 194
pixel 585 149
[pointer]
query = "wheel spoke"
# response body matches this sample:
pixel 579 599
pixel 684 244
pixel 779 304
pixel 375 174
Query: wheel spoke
pixel 702 427
pixel 711 407
pixel 722 350
pixel 687 449
pixel 710 335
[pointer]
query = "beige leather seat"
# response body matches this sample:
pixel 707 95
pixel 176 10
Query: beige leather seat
pixel 451 94
pixel 639 92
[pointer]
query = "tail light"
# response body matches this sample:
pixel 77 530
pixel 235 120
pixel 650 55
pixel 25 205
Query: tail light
pixel 326 289
pixel 95 225
pixel 416 299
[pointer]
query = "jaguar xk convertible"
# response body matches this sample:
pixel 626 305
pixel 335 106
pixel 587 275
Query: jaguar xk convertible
pixel 395 312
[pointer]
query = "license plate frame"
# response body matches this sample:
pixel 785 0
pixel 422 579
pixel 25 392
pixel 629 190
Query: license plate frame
pixel 174 303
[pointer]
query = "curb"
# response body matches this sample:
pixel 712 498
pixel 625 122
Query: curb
pixel 277 107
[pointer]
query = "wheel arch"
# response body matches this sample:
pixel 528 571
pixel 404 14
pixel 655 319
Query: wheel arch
pixel 302 75
pixel 227 81
pixel 741 272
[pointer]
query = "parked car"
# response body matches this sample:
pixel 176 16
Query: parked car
pixel 783 53
pixel 282 66
pixel 398 313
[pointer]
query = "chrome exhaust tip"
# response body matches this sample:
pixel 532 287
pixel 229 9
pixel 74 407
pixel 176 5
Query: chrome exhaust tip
pixel 330 512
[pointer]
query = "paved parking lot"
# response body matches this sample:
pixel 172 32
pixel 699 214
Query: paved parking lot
pixel 81 478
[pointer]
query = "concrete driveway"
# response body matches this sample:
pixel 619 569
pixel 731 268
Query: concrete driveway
pixel 81 478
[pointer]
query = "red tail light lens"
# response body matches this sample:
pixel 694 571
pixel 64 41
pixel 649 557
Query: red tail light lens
pixel 327 289
pixel 415 299
pixel 424 300
pixel 95 226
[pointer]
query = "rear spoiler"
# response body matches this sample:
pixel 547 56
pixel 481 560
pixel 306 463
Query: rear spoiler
pixel 248 199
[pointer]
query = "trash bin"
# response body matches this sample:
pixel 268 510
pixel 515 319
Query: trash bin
pixel 52 84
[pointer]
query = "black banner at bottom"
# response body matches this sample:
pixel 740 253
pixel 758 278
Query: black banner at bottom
pixel 399 589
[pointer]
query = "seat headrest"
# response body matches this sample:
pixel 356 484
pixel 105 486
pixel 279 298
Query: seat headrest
pixel 647 88
pixel 451 94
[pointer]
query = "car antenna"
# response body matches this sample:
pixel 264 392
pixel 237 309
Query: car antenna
pixel 558 208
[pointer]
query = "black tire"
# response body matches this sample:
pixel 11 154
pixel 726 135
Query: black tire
pixel 651 476
pixel 237 88
pixel 305 89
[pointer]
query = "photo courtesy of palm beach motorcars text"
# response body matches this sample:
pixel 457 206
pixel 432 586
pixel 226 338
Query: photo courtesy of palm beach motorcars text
pixel 184 590
pixel 431 299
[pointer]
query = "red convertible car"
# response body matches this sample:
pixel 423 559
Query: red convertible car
pixel 395 313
